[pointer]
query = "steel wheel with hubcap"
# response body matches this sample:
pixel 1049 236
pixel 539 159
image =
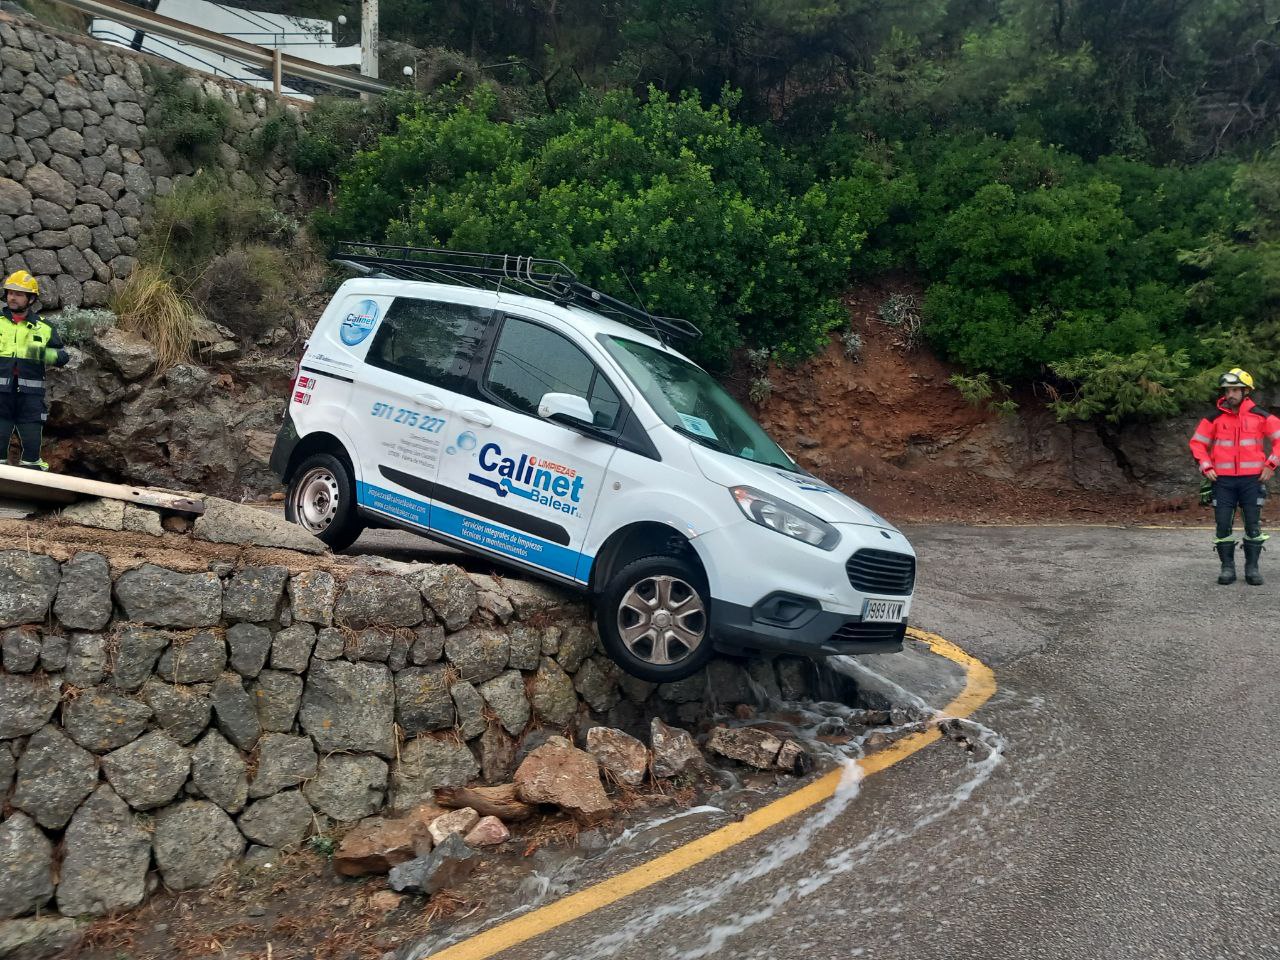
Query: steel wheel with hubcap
pixel 321 500
pixel 654 619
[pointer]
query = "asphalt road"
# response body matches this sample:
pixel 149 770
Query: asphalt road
pixel 1123 799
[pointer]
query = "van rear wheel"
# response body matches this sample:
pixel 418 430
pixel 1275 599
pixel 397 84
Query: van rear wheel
pixel 321 500
pixel 654 619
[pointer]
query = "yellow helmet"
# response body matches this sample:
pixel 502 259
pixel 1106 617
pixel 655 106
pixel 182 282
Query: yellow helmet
pixel 23 282
pixel 1235 377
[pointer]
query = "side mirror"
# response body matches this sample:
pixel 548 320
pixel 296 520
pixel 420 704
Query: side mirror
pixel 566 407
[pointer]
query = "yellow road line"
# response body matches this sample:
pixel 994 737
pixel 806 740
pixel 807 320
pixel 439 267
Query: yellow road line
pixel 980 685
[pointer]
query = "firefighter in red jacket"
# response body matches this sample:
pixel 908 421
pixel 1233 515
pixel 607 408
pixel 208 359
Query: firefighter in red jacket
pixel 1230 448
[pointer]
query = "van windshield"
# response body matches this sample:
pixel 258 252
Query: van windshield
pixel 694 405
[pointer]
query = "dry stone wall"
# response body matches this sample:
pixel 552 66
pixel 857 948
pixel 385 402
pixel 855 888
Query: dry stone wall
pixel 78 165
pixel 155 726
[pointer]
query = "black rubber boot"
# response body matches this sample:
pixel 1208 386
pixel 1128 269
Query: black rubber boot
pixel 1252 551
pixel 1227 553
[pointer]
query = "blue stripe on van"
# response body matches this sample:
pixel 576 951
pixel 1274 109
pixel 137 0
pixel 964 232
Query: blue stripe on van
pixel 513 543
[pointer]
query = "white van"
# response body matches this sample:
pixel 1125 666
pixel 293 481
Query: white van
pixel 499 405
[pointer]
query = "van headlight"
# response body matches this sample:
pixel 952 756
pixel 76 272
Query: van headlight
pixel 785 518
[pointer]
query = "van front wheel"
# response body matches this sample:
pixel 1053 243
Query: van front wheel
pixel 321 500
pixel 654 619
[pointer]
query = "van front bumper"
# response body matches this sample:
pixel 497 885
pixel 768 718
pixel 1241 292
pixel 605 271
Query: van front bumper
pixel 774 626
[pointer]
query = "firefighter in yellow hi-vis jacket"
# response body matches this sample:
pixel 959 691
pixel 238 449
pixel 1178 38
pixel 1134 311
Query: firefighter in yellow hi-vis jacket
pixel 27 346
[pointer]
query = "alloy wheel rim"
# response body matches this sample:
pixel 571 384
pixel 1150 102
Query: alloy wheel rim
pixel 662 620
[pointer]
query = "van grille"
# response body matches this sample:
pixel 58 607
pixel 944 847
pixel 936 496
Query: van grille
pixel 880 571
pixel 857 632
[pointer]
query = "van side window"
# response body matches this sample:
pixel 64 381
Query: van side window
pixel 428 340
pixel 530 360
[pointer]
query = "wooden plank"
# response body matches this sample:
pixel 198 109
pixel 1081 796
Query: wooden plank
pixel 48 487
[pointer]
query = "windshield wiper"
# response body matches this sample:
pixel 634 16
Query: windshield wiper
pixel 706 441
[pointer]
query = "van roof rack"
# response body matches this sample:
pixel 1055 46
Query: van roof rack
pixel 531 276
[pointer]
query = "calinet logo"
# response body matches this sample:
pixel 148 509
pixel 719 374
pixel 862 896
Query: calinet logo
pixel 550 484
pixel 359 323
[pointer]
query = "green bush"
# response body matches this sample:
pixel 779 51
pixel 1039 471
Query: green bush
pixel 693 211
pixel 183 120
pixel 205 218
pixel 277 135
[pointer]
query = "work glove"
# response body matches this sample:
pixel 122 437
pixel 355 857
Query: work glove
pixel 1206 492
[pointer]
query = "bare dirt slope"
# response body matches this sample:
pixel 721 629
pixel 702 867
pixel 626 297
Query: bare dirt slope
pixel 890 430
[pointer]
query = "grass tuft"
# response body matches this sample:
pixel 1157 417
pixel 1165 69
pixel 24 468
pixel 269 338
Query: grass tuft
pixel 150 305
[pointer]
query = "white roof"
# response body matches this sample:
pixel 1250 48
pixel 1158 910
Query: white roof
pixel 303 37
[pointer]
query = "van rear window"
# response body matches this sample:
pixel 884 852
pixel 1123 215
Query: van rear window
pixel 429 340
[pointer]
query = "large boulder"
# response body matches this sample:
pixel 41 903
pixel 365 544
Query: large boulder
pixel 479 655
pixel 283 761
pixel 376 600
pixel 445 866
pixel 350 706
pixel 163 598
pixel 53 778
pixel 254 594
pixel 86 660
pixel 426 764
pixel 227 522
pixel 107 854
pixel 26 704
pixel 505 695
pixel 449 592
pixel 278 695
pixel 250 643
pixel 525 646
pixel 148 772
pixel 194 842
pixel 41 938
pixel 622 756
pixel 470 706
pixel 28 585
pixel 218 772
pixel 27 857
pixel 674 752
pixel 422 699
pixel 553 696
pixel 85 593
pixel 281 821
pixel 199 658
pixel 291 647
pixel 377 844
pixel 20 648
pixel 236 713
pixel 347 787
pixel 100 719
pixel 559 773
pixel 183 711
pixel 597 683
pixel 577 642
pixel 311 597
pixel 137 651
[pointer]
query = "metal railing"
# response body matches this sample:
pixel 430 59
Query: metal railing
pixel 277 61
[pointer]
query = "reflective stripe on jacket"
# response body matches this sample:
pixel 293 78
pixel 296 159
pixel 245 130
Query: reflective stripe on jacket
pixel 1233 444
pixel 22 351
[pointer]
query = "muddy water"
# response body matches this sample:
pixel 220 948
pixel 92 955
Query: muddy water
pixel 836 733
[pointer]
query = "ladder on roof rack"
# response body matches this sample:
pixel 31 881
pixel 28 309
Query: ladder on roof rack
pixel 531 276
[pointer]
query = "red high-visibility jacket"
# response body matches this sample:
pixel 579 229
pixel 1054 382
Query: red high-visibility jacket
pixel 1232 443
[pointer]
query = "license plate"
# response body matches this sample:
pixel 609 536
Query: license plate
pixel 881 611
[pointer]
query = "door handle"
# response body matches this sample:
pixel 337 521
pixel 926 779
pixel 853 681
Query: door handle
pixel 428 401
pixel 476 416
